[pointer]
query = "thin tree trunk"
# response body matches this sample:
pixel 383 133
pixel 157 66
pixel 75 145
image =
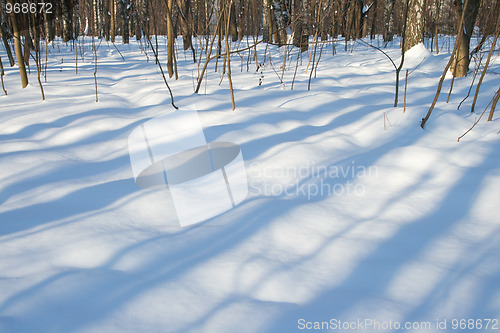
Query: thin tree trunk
pixel 112 20
pixel 158 62
pixel 436 25
pixel 2 73
pixel 448 65
pixel 48 25
pixel 374 21
pixel 95 4
pixel 38 64
pixel 301 33
pixel 494 104
pixel 209 50
pixel 228 56
pixel 267 35
pixel 497 33
pixel 5 34
pixel 170 39
pixel 389 20
pixel 403 47
pixel 145 18
pixel 95 68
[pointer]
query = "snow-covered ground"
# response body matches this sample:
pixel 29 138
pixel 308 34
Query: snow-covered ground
pixel 355 215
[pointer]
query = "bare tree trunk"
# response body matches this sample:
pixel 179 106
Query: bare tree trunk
pixel 398 69
pixel 460 66
pixel 485 68
pixel 436 24
pixel 494 104
pixel 363 12
pixel 76 20
pixel 18 47
pixel 145 18
pixel 389 20
pixel 27 45
pixel 267 34
pixel 48 19
pixel 95 68
pixel 239 16
pixel 228 55
pixel 353 19
pixel 158 62
pixel 38 62
pixel 2 73
pixel 414 33
pixel 359 22
pixel 170 38
pixel 186 29
pixel 97 15
pixel 5 35
pixel 112 20
pixel 126 21
pixel 335 13
pixel 66 20
pixel 374 21
pixel 233 27
pixel 441 80
pixel 301 28
pixel 280 19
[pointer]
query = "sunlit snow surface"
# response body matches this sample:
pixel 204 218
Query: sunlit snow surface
pixel 354 211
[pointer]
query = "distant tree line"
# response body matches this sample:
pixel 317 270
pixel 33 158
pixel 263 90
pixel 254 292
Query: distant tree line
pixel 275 20
pixel 272 19
pixel 295 23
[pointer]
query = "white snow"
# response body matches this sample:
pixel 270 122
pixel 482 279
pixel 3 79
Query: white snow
pixel 354 211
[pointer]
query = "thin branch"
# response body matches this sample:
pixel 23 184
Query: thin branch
pixel 475 123
pixel 162 73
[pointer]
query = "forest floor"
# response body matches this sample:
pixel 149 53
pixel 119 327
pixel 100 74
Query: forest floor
pixel 355 215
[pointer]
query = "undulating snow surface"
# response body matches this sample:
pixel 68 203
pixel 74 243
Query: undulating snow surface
pixel 355 215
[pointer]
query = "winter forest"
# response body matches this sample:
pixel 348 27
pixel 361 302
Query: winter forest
pixel 249 166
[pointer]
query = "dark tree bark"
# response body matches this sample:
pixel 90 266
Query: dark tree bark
pixel 125 22
pixel 170 38
pixel 2 73
pixel 5 35
pixel 460 65
pixel 301 29
pixel 112 19
pixel 184 20
pixel 233 28
pixel 66 20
